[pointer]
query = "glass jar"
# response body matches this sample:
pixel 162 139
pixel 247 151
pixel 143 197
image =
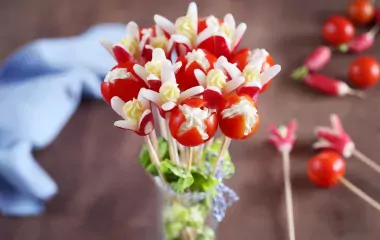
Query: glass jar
pixel 186 216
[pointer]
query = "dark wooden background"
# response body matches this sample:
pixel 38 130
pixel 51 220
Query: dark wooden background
pixel 104 194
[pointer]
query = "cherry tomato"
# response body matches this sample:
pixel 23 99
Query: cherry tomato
pixel 364 72
pixel 241 58
pixel 377 16
pixel 361 11
pixel 126 89
pixel 326 168
pixel 338 30
pixel 192 137
pixel 234 127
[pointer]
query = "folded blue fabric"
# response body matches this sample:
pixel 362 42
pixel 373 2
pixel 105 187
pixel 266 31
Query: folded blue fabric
pixel 41 86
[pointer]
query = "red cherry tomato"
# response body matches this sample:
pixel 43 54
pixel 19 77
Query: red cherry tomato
pixel 326 168
pixel 241 58
pixel 364 72
pixel 192 137
pixel 361 11
pixel 126 89
pixel 377 16
pixel 234 127
pixel 338 30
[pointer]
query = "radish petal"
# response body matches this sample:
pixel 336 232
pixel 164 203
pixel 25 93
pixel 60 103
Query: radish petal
pixel 117 105
pixel 190 93
pixel 230 21
pixel 164 23
pixel 168 106
pixel 321 144
pixel 192 10
pixel 207 33
pixel 158 54
pixel 270 73
pixel 152 77
pixel 108 46
pixel 201 77
pixel 233 85
pixel 140 71
pixel 181 39
pixel 238 34
pixel 121 54
pixel 167 72
pixel 152 96
pixel 125 124
pixel 146 114
pixel 177 66
pixel 336 123
pixel 133 30
pixel 232 69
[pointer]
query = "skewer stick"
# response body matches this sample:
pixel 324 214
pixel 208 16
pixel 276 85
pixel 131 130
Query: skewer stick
pixel 199 155
pixel 162 124
pixel 173 150
pixel 225 145
pixel 360 193
pixel 366 160
pixel 209 143
pixel 153 137
pixel 288 194
pixel 190 160
pixel 154 158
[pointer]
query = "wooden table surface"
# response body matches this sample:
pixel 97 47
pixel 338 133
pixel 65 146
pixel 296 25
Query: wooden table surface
pixel 104 193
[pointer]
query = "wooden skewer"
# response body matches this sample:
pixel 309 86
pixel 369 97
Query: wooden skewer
pixel 154 158
pixel 162 124
pixel 173 150
pixel 153 137
pixel 225 145
pixel 366 160
pixel 199 155
pixel 190 160
pixel 360 193
pixel 288 194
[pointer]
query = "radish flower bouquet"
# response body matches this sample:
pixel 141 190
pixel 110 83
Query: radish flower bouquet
pixel 189 76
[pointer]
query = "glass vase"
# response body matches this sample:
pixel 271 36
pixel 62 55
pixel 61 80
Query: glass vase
pixel 186 216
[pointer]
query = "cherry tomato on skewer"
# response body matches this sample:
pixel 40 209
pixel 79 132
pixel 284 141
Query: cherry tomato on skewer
pixel 377 16
pixel 193 123
pixel 337 30
pixel 238 117
pixel 122 82
pixel 364 72
pixel 361 11
pixel 326 168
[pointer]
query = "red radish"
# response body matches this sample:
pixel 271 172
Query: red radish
pixel 361 42
pixel 318 58
pixel 330 86
pixel 314 62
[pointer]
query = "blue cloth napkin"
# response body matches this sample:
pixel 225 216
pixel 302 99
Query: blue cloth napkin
pixel 41 86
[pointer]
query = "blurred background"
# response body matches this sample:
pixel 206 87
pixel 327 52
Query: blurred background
pixel 105 194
